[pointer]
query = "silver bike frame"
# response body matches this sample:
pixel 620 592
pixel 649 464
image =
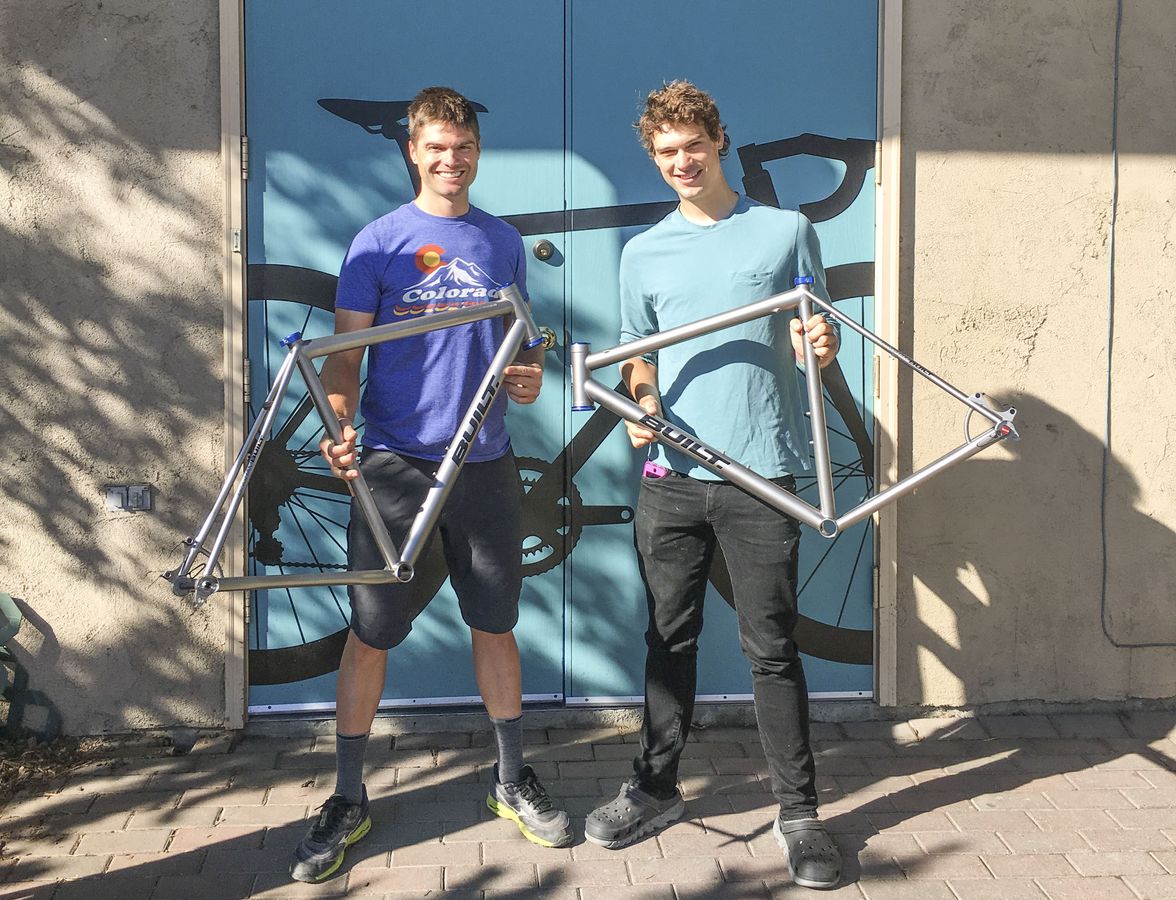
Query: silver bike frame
pixel 398 563
pixel 586 392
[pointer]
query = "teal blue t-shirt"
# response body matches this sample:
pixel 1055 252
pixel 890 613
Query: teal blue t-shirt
pixel 736 389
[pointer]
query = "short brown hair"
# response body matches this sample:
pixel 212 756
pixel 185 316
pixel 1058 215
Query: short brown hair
pixel 444 105
pixel 680 103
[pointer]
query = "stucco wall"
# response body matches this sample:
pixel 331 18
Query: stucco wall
pixel 1007 196
pixel 111 324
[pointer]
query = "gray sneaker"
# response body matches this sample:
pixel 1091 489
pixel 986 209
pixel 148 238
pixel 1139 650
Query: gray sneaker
pixel 525 802
pixel 338 826
pixel 632 816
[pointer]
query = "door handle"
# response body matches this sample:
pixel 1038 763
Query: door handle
pixel 543 249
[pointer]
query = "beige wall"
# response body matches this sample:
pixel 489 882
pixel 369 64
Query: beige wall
pixel 110 223
pixel 111 324
pixel 1007 183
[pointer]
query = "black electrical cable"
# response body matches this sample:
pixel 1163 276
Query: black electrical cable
pixel 1106 450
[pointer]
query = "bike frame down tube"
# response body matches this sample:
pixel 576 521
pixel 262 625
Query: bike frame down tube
pixel 399 565
pixel 586 391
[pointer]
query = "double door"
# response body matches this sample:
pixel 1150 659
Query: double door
pixel 561 84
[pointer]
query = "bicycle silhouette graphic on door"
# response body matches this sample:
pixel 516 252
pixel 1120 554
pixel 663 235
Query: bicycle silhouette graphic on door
pixel 294 493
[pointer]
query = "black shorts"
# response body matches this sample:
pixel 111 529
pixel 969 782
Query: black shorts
pixel 480 537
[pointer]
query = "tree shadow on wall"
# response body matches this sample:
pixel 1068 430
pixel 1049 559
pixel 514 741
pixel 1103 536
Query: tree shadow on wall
pixel 1008 594
pixel 112 327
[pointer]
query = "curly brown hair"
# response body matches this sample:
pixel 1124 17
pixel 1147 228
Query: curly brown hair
pixel 680 103
pixel 444 105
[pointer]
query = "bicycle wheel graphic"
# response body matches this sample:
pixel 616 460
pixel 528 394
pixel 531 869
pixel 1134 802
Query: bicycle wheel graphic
pixel 298 512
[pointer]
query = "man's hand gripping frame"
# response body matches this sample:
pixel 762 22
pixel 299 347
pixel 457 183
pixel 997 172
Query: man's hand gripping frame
pixel 586 391
pixel 398 563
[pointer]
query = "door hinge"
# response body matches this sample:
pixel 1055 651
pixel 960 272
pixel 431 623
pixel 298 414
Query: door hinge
pixel 877 373
pixel 877 163
pixel 248 606
pixel 247 382
pixel 244 157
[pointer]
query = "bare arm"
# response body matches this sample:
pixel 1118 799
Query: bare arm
pixel 640 378
pixel 340 378
pixel 524 376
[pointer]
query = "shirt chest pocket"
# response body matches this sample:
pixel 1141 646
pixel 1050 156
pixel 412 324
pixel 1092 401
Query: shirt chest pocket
pixel 756 277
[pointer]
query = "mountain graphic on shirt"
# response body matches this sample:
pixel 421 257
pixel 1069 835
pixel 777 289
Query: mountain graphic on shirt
pixel 452 286
pixel 458 273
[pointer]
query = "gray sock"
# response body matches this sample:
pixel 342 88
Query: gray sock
pixel 509 735
pixel 349 751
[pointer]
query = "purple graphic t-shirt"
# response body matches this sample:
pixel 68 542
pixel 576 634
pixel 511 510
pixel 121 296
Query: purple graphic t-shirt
pixel 409 263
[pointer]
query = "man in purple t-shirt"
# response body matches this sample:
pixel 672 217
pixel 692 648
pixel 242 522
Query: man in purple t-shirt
pixel 433 254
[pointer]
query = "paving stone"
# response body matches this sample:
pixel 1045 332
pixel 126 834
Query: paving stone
pixel 628 892
pixel 57 868
pixel 1016 726
pixel 159 863
pixel 1077 888
pixel 996 889
pixel 922 821
pixel 107 887
pixel 1145 818
pixel 674 871
pixel 1071 819
pixel 276 886
pixel 1005 801
pixel 1152 887
pixel 1086 725
pixel 1044 841
pixel 1028 865
pixel 104 843
pixel 1150 724
pixel 1166 858
pixel 1112 779
pixel 941 866
pixel 692 844
pixel 270 814
pixel 900 732
pixel 960 842
pixel 393 881
pixel 583 874
pixel 189 817
pixel 236 836
pixel 949 729
pixel 1123 839
pixel 1115 863
pixel 1151 798
pixel 506 853
pixel 29 890
pixel 1091 799
pixel 907 890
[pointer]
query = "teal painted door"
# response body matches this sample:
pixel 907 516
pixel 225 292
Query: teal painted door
pixel 795 81
pixel 326 87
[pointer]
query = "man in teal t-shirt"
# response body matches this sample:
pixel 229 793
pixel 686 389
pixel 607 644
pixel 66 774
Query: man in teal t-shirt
pixel 738 390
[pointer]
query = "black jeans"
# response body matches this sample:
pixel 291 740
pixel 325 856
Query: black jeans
pixel 679 522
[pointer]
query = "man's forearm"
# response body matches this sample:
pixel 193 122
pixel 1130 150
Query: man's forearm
pixel 340 377
pixel 640 378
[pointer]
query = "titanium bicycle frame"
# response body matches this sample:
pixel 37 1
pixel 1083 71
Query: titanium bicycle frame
pixel 398 564
pixel 586 392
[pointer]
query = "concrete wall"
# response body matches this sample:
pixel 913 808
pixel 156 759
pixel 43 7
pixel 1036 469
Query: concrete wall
pixel 111 324
pixel 1007 195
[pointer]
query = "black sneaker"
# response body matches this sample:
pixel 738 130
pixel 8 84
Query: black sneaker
pixel 525 802
pixel 633 815
pixel 339 825
pixel 813 859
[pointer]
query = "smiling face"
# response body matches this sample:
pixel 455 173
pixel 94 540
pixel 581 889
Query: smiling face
pixel 446 157
pixel 688 159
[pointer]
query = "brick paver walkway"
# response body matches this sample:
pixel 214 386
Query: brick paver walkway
pixel 1002 807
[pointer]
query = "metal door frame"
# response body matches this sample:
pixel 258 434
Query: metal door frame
pixel 888 221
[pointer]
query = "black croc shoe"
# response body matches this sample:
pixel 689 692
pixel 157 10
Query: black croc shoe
pixel 813 859
pixel 633 815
